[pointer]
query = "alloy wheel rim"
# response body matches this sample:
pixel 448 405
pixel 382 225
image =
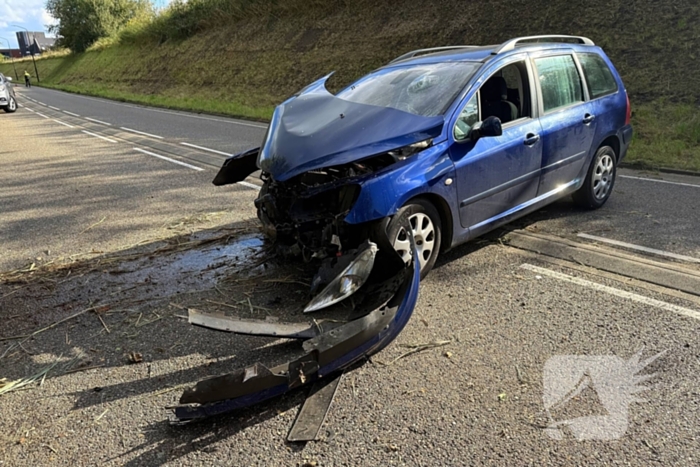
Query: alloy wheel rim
pixel 423 231
pixel 603 176
pixel 13 104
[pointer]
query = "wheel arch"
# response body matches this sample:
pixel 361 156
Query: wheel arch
pixel 614 142
pixel 445 213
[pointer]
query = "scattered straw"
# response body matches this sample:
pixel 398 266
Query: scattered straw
pixel 415 348
pixel 93 225
pixel 9 386
pixel 51 326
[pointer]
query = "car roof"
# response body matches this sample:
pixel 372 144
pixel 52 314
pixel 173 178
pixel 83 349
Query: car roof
pixel 488 52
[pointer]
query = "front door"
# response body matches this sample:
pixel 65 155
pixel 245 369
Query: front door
pixel 497 174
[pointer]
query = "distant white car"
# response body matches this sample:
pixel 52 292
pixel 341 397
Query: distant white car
pixel 8 103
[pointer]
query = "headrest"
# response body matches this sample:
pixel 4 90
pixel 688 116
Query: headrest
pixel 495 89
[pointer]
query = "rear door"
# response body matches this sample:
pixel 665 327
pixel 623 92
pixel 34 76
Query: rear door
pixel 568 121
pixel 609 104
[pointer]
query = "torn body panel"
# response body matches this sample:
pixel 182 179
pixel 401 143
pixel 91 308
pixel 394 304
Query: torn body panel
pixel 327 353
pixel 237 168
pixel 252 327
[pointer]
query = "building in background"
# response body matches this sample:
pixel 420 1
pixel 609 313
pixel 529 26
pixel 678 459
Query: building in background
pixel 14 53
pixel 34 43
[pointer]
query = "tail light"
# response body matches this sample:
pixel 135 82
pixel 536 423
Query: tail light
pixel 628 117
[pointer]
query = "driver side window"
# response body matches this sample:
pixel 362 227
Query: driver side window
pixel 505 95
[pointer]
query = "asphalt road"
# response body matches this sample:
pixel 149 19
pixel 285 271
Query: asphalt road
pixel 144 238
pixel 221 134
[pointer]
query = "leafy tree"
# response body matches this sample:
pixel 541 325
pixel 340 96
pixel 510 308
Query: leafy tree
pixel 82 22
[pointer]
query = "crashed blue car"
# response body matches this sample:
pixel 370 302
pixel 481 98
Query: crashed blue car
pixel 458 140
pixel 435 148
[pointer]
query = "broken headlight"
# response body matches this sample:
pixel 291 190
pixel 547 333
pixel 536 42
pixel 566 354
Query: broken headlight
pixel 407 151
pixel 347 282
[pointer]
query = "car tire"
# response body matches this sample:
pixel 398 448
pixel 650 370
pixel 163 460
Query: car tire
pixel 600 180
pixel 11 106
pixel 426 225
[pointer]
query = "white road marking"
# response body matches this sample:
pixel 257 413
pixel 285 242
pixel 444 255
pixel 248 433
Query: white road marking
pixel 63 123
pixel 40 103
pixel 613 291
pixel 207 149
pixel 99 136
pixel 168 159
pixel 30 110
pixel 632 246
pixel 20 104
pixel 659 181
pixel 250 185
pixel 71 113
pixel 182 114
pixel 98 121
pixel 41 115
pixel 55 108
pixel 141 133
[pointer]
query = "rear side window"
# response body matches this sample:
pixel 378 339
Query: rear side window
pixel 598 75
pixel 559 81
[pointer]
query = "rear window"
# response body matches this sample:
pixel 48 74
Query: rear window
pixel 426 90
pixel 598 75
pixel 559 81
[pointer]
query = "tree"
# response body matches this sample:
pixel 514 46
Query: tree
pixel 82 22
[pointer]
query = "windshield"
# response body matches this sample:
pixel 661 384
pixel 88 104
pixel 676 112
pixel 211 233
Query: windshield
pixel 425 90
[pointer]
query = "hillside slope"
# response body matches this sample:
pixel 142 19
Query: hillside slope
pixel 249 65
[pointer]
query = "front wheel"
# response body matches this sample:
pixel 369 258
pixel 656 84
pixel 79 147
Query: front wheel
pixel 600 180
pixel 425 224
pixel 11 106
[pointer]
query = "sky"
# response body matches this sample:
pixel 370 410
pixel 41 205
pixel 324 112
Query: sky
pixel 26 13
pixel 30 14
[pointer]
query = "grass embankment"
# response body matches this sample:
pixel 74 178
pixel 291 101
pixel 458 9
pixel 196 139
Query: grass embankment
pixel 667 136
pixel 242 57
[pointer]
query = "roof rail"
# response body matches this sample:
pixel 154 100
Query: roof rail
pixel 413 53
pixel 510 45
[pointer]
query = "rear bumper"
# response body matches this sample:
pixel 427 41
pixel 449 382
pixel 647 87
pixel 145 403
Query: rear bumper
pixel 626 134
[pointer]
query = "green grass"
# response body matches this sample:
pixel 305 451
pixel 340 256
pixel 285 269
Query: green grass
pixel 666 135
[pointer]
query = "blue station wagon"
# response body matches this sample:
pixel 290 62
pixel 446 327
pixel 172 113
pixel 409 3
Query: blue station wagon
pixel 448 142
pixel 435 148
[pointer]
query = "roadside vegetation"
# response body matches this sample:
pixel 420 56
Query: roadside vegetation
pixel 82 22
pixel 242 57
pixel 667 135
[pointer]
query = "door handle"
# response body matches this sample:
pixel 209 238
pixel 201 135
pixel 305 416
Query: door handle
pixel 588 118
pixel 531 139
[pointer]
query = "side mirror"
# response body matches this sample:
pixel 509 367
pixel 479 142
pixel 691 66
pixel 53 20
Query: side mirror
pixel 489 127
pixel 8 79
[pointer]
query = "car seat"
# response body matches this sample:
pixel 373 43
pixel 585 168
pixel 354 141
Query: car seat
pixel 494 95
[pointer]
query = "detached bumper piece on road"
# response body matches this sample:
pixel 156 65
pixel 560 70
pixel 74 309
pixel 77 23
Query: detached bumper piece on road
pixel 386 303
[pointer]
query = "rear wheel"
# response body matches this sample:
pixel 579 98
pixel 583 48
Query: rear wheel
pixel 11 106
pixel 424 222
pixel 600 180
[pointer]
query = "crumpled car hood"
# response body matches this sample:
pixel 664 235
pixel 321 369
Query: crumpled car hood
pixel 317 129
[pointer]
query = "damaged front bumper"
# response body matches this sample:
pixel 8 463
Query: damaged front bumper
pixel 390 297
